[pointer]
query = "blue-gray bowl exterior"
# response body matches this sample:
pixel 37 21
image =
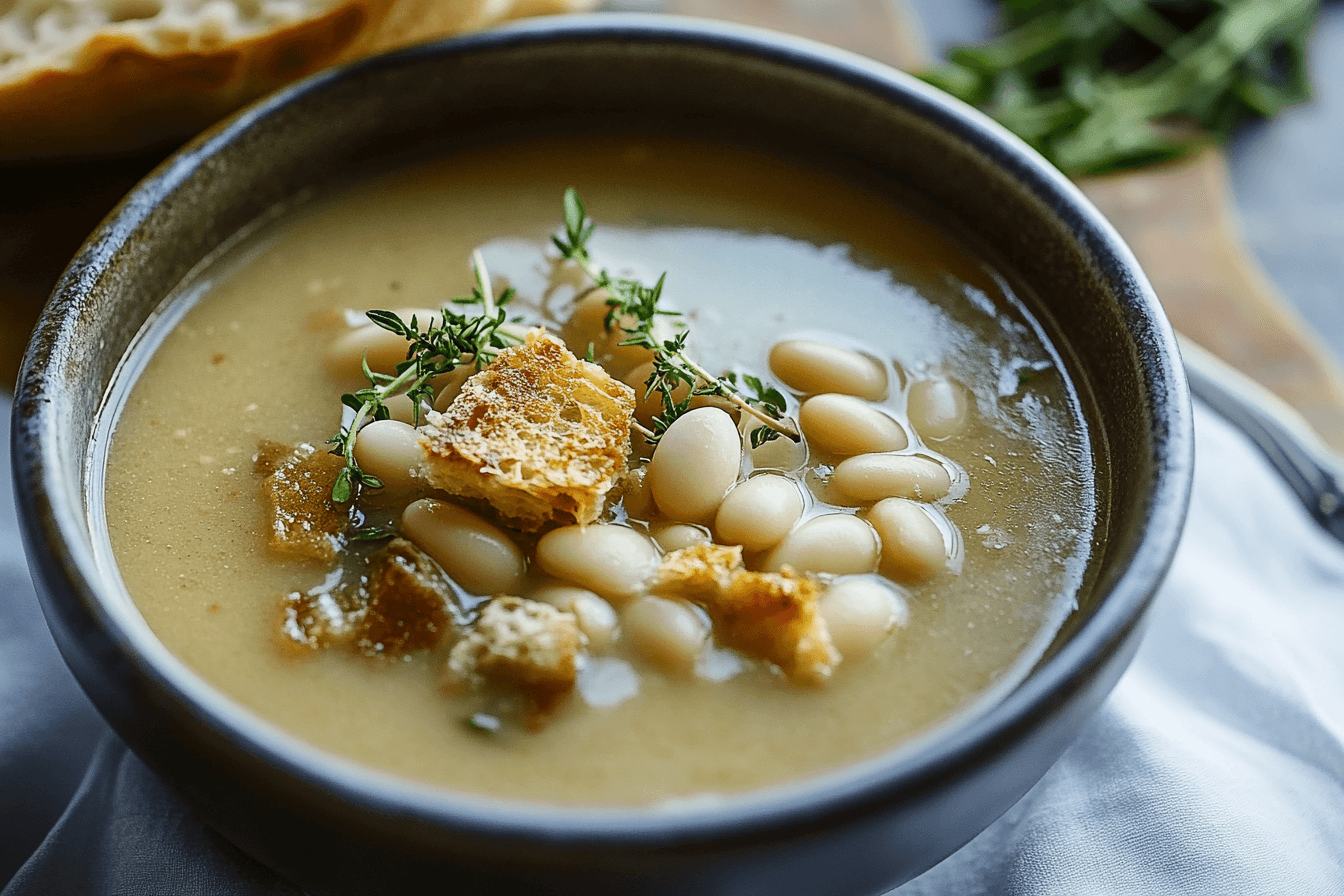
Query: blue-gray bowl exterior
pixel 335 827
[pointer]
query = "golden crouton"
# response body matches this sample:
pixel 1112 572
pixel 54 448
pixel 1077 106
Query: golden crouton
pixel 317 619
pixel 774 615
pixel 407 602
pixel 538 434
pixel 700 569
pixel 303 520
pixel 770 615
pixel 400 604
pixel 520 644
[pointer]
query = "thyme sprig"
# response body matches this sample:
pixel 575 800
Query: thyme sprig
pixel 633 307
pixel 443 344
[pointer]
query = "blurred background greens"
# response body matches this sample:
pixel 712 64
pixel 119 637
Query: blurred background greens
pixel 1101 85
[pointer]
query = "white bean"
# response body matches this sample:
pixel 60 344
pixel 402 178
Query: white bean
pixel 613 561
pixel 872 477
pixel 475 553
pixel 843 424
pixel 635 495
pixel 759 512
pixel 717 401
pixel 812 367
pixel 385 349
pixel 650 404
pixel 913 549
pixel 453 381
pixel 618 359
pixel 675 536
pixel 401 408
pixel 587 326
pixel 596 618
pixel 777 454
pixel 587 321
pixel 833 542
pixel 938 409
pixel 696 462
pixel 666 633
pixel 860 612
pixel 390 450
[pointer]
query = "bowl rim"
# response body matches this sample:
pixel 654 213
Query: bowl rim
pixel 52 506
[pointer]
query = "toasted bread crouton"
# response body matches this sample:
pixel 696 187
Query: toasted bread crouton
pixel 269 456
pixel 538 434
pixel 774 615
pixel 700 569
pixel 303 520
pixel 407 602
pixel 520 644
pixel 401 604
pixel 320 618
pixel 769 615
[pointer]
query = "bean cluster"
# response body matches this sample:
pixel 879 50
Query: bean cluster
pixel 858 503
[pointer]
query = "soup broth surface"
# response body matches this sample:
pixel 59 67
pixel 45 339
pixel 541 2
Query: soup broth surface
pixel 755 249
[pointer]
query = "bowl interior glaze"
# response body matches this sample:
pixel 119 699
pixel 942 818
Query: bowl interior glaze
pixel 333 826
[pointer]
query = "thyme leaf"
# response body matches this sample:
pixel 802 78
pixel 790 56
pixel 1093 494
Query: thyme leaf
pixel 633 308
pixel 436 348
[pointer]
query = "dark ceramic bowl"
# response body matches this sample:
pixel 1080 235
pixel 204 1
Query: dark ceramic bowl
pixel 333 826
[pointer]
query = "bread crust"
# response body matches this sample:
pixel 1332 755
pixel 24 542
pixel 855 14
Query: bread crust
pixel 133 84
pixel 538 434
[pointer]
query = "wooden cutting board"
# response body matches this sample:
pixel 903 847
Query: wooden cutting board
pixel 1182 225
pixel 1178 218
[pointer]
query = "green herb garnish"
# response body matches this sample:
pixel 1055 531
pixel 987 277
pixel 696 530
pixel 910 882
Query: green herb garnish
pixel 441 346
pixel 1100 85
pixel 373 533
pixel 633 306
pixel 458 338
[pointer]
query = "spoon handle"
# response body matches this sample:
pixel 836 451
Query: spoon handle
pixel 1314 472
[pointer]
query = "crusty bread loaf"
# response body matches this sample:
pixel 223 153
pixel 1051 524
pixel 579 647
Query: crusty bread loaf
pixel 538 434
pixel 95 77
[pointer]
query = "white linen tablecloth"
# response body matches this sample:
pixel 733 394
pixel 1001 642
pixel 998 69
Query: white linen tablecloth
pixel 1215 767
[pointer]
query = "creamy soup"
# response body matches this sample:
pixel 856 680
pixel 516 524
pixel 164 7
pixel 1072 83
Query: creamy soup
pixel 758 253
